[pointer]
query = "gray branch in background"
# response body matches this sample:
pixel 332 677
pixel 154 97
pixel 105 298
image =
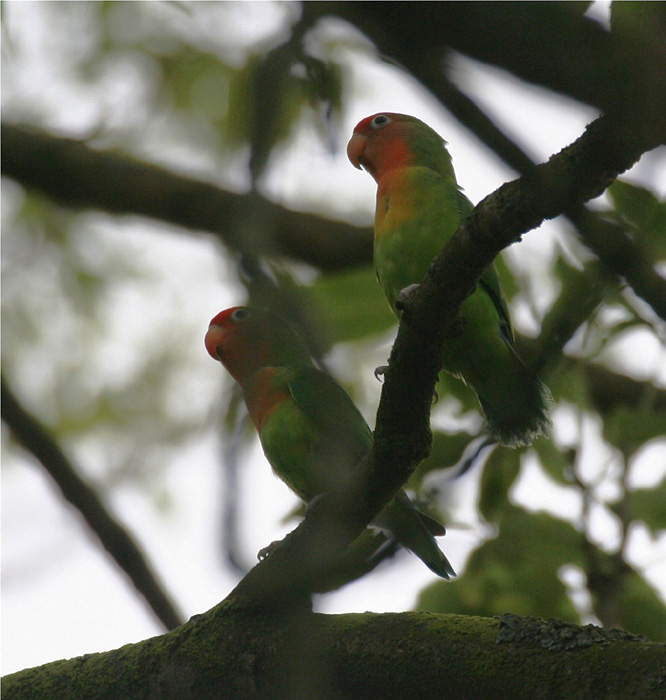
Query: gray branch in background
pixel 119 543
pixel 72 173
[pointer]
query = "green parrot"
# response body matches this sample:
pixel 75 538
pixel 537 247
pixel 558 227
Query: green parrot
pixel 419 206
pixel 311 432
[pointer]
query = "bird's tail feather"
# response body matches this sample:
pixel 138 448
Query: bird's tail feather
pixel 415 531
pixel 521 416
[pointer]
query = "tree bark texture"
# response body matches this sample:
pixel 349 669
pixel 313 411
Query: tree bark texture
pixel 238 652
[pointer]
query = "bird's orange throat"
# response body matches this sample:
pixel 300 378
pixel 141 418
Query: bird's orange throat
pixel 395 203
pixel 263 395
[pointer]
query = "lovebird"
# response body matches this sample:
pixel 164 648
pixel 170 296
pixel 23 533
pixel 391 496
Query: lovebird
pixel 419 206
pixel 310 430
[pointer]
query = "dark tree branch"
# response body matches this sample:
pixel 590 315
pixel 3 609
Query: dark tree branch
pixel 34 438
pixel 124 186
pixel 73 174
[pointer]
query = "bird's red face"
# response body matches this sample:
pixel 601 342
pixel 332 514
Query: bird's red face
pixel 222 330
pixel 242 339
pixel 235 339
pixel 378 144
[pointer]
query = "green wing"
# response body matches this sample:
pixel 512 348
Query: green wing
pixel 491 285
pixel 340 435
pixel 339 439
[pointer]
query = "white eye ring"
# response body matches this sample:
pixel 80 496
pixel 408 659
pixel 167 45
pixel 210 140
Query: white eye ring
pixel 379 121
pixel 240 314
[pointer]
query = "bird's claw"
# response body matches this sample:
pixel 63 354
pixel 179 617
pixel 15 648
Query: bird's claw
pixel 404 294
pixel 380 372
pixel 312 503
pixel 266 551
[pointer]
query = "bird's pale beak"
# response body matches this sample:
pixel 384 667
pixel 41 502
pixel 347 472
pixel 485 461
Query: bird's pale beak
pixel 355 149
pixel 214 338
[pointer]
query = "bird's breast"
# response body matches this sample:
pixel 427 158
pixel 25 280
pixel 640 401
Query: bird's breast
pixel 396 202
pixel 265 394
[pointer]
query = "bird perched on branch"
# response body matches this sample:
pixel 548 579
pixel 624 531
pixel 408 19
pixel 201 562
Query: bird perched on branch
pixel 311 432
pixel 419 206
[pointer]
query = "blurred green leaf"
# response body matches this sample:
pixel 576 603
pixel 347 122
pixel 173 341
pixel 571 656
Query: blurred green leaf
pixel 499 473
pixel 197 81
pixel 276 96
pixel 447 450
pixel 516 571
pixel 581 293
pixel 645 21
pixel 637 204
pixel 555 463
pixel 273 90
pixel 322 82
pixel 240 114
pixel 640 609
pixel 641 211
pixel 579 8
pixel 353 304
pixel 629 428
pixel 649 505
pixel 569 383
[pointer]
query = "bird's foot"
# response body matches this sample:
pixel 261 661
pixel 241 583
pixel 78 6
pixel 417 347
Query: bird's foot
pixel 380 372
pixel 312 503
pixel 266 551
pixel 404 294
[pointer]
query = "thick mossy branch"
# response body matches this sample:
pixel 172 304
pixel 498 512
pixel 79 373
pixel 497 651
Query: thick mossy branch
pixel 243 652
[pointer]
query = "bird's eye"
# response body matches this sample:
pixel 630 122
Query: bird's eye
pixel 379 121
pixel 240 314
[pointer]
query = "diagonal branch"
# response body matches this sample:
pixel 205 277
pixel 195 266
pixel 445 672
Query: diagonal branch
pixel 568 53
pixel 545 44
pixel 402 433
pixel 32 435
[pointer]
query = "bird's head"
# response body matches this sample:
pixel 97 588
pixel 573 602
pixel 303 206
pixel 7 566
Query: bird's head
pixel 245 339
pixel 380 143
